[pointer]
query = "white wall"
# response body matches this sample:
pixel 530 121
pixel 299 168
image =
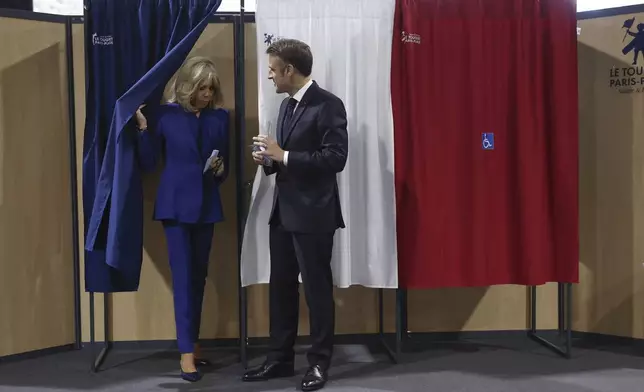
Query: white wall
pixel 75 7
pixel 592 5
pixel 59 7
pixel 233 6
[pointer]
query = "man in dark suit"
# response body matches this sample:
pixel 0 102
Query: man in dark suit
pixel 310 150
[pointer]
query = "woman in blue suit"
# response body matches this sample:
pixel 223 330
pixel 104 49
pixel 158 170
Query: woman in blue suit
pixel 187 131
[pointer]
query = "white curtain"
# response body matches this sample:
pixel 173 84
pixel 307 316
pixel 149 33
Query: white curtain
pixel 351 41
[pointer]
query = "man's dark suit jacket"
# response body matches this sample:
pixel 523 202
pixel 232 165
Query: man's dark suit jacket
pixel 306 192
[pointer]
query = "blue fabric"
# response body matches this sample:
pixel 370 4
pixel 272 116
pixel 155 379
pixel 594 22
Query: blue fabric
pixel 185 194
pixel 133 49
pixel 188 251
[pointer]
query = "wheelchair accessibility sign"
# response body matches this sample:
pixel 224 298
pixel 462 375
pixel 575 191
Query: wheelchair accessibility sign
pixel 487 141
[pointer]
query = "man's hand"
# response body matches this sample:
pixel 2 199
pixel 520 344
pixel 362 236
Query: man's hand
pixel 258 159
pixel 271 149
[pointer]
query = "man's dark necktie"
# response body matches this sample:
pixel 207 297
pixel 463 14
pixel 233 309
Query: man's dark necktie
pixel 288 116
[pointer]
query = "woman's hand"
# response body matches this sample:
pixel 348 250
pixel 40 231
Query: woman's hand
pixel 141 121
pixel 217 166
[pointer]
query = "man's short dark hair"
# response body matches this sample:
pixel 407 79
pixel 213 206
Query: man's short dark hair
pixel 293 52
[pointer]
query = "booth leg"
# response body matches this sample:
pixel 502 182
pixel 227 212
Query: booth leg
pixel 564 302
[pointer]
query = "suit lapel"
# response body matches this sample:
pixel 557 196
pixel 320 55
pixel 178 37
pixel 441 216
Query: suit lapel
pixel 301 107
pixel 280 124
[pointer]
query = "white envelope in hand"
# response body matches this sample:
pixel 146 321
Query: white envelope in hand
pixel 214 155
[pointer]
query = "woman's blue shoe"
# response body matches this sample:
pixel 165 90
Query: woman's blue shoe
pixel 192 377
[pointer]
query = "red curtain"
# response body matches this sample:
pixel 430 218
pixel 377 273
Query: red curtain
pixel 477 210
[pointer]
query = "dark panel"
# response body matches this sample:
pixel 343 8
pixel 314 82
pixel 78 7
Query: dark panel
pixel 27 5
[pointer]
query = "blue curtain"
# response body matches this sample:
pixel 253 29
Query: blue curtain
pixel 133 48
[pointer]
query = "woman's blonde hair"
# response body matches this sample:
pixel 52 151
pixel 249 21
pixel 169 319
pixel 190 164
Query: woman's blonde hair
pixel 194 73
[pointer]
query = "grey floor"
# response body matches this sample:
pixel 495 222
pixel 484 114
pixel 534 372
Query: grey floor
pixel 515 365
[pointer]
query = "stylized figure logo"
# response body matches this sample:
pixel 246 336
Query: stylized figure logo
pixel 268 39
pixel 637 43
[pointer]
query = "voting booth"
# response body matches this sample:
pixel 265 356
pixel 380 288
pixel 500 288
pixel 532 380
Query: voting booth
pixel 45 302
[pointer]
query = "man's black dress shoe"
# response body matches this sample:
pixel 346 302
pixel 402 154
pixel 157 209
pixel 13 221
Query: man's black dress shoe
pixel 314 379
pixel 270 370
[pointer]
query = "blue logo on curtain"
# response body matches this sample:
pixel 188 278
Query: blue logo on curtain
pixel 487 141
pixel 270 38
